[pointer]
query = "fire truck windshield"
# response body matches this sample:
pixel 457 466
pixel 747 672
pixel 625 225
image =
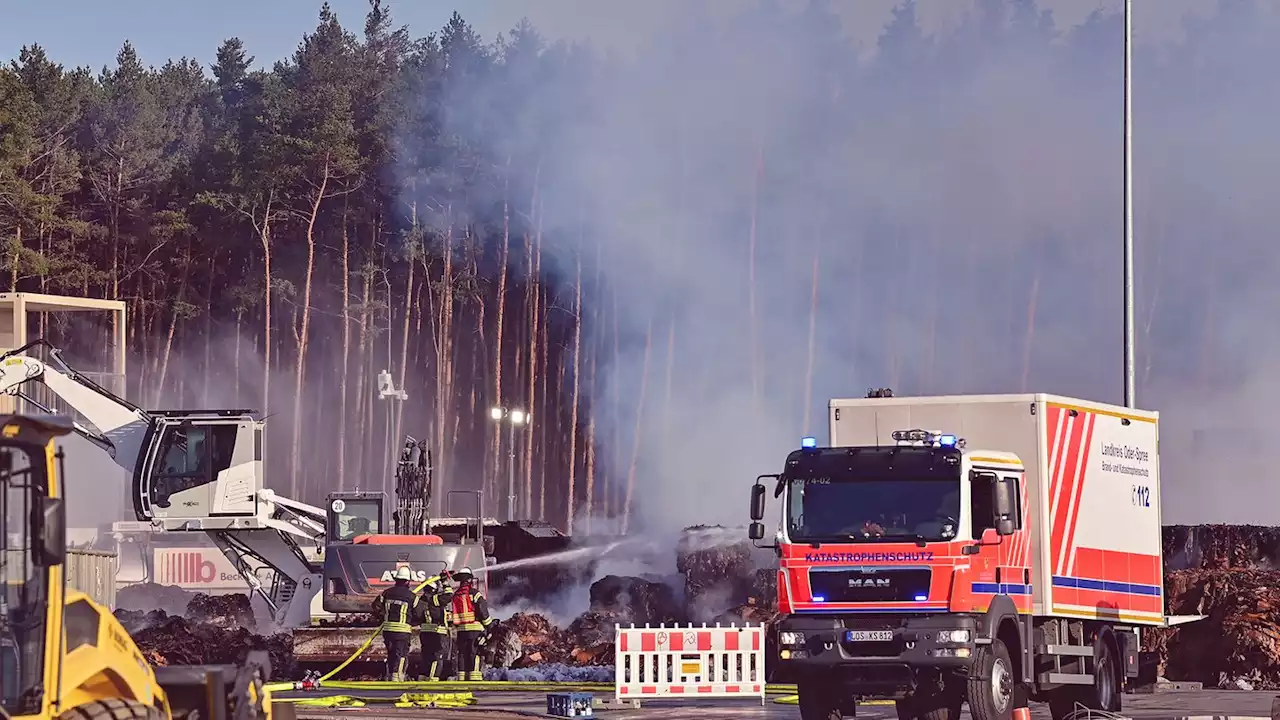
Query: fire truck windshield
pixel 844 509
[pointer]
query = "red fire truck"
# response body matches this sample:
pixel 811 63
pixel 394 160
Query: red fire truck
pixel 987 549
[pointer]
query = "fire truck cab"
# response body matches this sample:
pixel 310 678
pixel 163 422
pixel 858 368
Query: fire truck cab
pixel 917 564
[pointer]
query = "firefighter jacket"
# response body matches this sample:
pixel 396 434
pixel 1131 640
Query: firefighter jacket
pixel 397 605
pixel 470 610
pixel 434 611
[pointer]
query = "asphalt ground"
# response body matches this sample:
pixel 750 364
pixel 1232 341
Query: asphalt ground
pixel 509 705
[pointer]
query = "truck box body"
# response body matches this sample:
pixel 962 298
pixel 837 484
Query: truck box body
pixel 1091 495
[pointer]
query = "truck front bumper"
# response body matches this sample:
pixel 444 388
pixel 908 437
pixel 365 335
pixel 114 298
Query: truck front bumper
pixel 884 655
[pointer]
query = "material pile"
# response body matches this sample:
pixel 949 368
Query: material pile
pixel 229 612
pixel 216 629
pixel 718 570
pixel 1226 573
pixel 145 597
pixel 527 639
pixel 761 607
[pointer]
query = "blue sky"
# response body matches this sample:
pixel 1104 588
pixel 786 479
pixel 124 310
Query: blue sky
pixel 90 32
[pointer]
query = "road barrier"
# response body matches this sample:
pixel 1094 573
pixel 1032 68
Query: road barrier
pixel 654 663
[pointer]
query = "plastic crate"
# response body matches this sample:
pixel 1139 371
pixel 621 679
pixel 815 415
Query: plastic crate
pixel 570 705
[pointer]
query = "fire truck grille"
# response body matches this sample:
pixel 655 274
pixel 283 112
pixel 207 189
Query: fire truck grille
pixel 870 584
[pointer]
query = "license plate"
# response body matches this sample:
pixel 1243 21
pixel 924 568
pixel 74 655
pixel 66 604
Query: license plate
pixel 868 635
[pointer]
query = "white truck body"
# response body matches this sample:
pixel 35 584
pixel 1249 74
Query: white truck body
pixel 1092 489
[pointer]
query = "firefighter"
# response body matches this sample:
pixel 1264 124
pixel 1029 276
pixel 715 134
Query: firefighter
pixel 397 605
pixel 434 630
pixel 471 621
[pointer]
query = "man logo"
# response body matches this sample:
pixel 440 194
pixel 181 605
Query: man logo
pixel 869 582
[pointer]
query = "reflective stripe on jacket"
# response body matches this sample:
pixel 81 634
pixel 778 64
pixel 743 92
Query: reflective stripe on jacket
pixel 398 604
pixel 436 618
pixel 469 610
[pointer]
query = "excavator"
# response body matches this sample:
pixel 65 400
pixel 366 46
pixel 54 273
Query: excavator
pixel 202 471
pixel 63 655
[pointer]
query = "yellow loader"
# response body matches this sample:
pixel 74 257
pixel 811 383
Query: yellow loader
pixel 63 655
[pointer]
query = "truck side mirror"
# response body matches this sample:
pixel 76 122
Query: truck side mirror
pixel 755 531
pixel 51 531
pixel 1006 502
pixel 757 502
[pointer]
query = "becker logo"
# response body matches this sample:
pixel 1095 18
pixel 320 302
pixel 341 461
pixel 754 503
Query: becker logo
pixel 190 567
pixel 868 582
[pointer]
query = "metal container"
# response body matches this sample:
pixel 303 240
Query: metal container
pixel 93 572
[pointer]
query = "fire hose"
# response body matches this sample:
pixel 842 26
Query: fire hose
pixel 308 684
pixel 406 700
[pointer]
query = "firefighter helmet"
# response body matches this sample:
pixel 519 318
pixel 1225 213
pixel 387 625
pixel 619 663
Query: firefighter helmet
pixel 403 573
pixel 463 575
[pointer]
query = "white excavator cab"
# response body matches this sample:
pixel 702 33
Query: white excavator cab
pixel 201 467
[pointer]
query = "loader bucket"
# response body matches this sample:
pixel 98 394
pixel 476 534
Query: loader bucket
pixel 335 644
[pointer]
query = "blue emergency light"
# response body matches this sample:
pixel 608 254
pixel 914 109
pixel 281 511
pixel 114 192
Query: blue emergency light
pixel 819 598
pixel 947 440
pixel 808 442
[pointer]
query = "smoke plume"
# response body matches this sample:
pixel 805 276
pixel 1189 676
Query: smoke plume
pixel 786 210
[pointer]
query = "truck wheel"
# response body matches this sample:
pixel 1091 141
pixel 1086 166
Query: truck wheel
pixel 991 687
pixel 1105 692
pixel 818 702
pixel 113 709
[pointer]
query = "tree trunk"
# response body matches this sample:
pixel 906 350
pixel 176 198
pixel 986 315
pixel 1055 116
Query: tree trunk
pixel 491 482
pixel 574 401
pixel 614 488
pixel 207 395
pixel 264 236
pixel 535 294
pixel 17 258
pixel 444 351
pixel 544 407
pixel 404 343
pixel 304 335
pixel 235 372
pixel 156 398
pixel 589 464
pixel 344 376
pixel 366 293
pixel 635 448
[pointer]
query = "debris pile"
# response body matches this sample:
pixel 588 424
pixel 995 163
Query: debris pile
pixel 174 640
pixel 208 630
pixel 1225 572
pixel 528 639
pixel 1221 547
pixel 718 570
pixel 144 597
pixel 225 611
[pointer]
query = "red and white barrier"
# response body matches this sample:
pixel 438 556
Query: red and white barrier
pixel 689 662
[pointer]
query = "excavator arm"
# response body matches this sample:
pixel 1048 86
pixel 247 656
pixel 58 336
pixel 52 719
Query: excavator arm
pixel 119 426
pixel 192 471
